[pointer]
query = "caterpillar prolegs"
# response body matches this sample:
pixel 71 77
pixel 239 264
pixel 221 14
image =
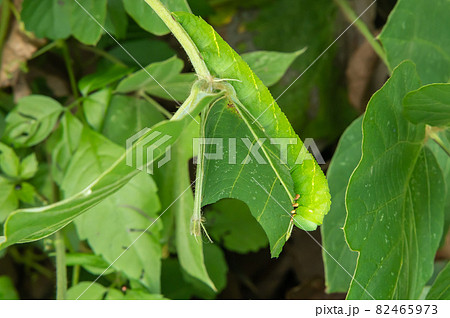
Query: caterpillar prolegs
pixel 224 63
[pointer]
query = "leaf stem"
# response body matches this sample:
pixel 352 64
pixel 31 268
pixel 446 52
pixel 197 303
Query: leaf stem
pixel 182 37
pixel 435 137
pixel 61 274
pixel 70 72
pixel 155 104
pixel 362 27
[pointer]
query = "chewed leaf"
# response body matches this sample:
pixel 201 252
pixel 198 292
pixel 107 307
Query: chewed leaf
pixel 253 98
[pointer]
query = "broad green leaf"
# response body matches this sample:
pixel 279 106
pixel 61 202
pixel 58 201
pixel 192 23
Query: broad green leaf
pixel 84 28
pixel 114 224
pixel 394 199
pixel 231 176
pixel 25 192
pixel 84 291
pixel 231 223
pixel 32 120
pixel 9 162
pixel 339 261
pixel 33 224
pixel 253 100
pixel 429 105
pixel 161 79
pixel 178 202
pixel 102 78
pixel 147 19
pixel 418 31
pixel 116 19
pixel 95 107
pixel 47 18
pixel 28 167
pixel 217 268
pixel 94 264
pixel 7 289
pixel 441 286
pixel 270 66
pixel 63 144
pixel 444 162
pixel 127 115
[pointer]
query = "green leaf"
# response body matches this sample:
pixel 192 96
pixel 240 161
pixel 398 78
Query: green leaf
pixel 127 115
pixel 148 19
pixel 84 28
pixel 444 162
pixel 176 196
pixel 429 105
pixel 270 66
pixel 217 269
pixel 7 289
pixel 161 79
pixel 102 78
pixel 441 287
pixel 122 217
pixel 28 167
pixel 32 120
pixel 36 223
pixel 259 111
pixel 8 198
pixel 63 144
pixel 233 177
pixel 95 107
pixel 394 199
pixel 94 264
pixel 47 18
pixel 231 223
pixel 9 162
pixel 86 291
pixel 339 260
pixel 116 19
pixel 421 38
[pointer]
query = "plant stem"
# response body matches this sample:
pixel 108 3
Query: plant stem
pixel 4 23
pixel 196 220
pixel 70 72
pixel 362 27
pixel 182 37
pixel 45 49
pixel 155 104
pixel 61 274
pixel 435 137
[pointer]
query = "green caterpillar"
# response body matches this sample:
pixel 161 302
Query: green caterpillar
pixel 310 185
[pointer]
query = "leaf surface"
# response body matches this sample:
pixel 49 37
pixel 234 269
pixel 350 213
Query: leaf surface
pixel 394 199
pixel 429 105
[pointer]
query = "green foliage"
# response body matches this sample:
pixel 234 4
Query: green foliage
pixel 395 190
pixel 253 98
pixel 7 290
pixel 127 233
pixel 165 80
pixel 270 66
pixel 421 38
pixel 231 223
pixel 440 288
pixel 339 260
pixel 429 105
